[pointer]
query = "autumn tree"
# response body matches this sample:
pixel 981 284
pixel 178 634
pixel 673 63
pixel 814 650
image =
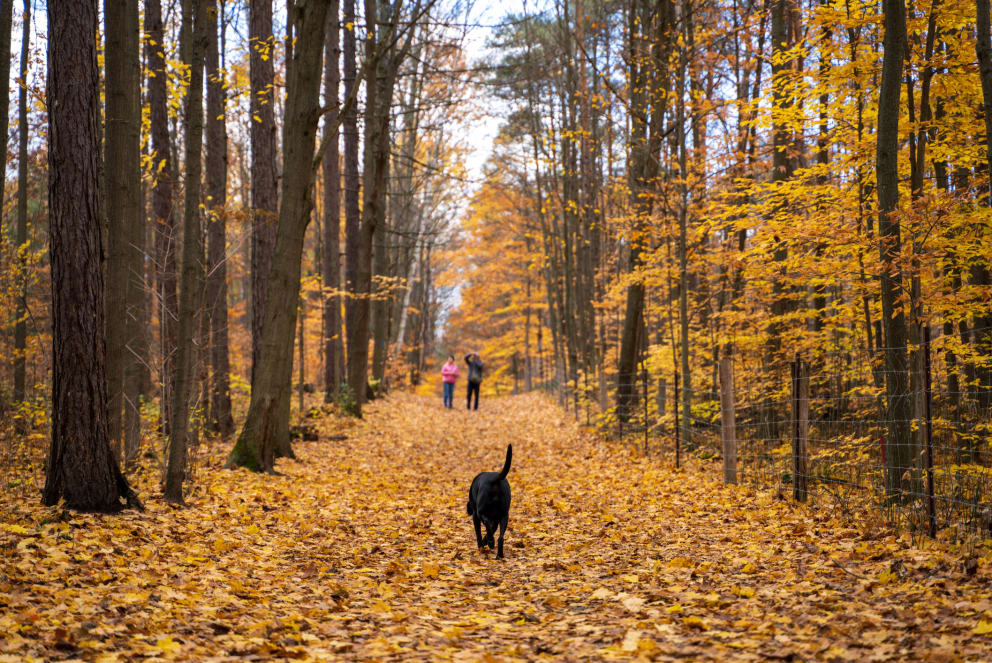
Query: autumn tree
pixel 81 467
pixel 220 419
pixel 163 214
pixel 256 446
pixel 193 47
pixel 20 324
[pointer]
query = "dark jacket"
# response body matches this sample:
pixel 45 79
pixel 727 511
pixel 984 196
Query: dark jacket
pixel 474 369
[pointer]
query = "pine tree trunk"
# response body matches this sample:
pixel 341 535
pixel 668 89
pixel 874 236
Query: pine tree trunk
pixel 20 326
pixel 900 451
pixel 256 446
pixel 334 347
pixel 194 36
pixel 81 467
pixel 220 421
pixel 162 205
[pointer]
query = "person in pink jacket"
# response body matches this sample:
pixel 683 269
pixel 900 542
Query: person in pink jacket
pixel 449 374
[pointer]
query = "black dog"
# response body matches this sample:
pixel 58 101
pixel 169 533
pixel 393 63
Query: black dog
pixel 489 503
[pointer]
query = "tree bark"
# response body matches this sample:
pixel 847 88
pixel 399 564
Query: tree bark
pixel 256 446
pixel 162 205
pixel 220 420
pixel 384 62
pixel 194 36
pixel 6 27
pixel 123 183
pixel 650 47
pixel 900 452
pixel 334 347
pixel 81 467
pixel 20 326
pixel 352 183
pixel 264 200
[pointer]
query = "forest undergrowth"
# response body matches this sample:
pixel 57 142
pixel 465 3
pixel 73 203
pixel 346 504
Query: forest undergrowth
pixel 362 550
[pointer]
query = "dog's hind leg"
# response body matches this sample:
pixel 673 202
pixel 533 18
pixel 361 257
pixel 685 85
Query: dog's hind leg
pixel 502 530
pixel 489 539
pixel 478 532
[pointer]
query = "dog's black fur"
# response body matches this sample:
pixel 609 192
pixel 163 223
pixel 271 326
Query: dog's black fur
pixel 489 503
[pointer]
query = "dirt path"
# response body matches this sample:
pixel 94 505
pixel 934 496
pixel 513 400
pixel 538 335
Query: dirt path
pixel 363 550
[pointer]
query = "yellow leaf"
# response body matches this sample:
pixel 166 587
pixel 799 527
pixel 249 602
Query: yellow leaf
pixel 15 529
pixel 252 529
pixel 672 609
pixel 982 628
pixel 167 645
pixel 430 570
pixel 695 622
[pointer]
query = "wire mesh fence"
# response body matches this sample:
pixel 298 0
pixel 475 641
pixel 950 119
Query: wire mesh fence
pixel 825 427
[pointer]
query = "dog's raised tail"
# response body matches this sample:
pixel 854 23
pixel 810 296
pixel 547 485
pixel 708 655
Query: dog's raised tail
pixel 506 465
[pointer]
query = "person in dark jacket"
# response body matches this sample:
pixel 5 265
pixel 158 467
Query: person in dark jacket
pixel 474 378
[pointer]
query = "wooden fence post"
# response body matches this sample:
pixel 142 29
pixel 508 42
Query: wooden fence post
pixel 727 431
pixel 800 429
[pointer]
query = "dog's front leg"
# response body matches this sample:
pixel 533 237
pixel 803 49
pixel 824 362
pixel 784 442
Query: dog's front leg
pixel 478 532
pixel 502 529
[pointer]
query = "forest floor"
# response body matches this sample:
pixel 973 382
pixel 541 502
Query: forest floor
pixel 362 550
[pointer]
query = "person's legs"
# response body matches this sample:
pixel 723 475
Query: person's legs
pixel 447 394
pixel 473 388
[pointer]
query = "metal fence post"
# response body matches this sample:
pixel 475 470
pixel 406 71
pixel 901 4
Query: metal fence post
pixel 800 419
pixel 931 508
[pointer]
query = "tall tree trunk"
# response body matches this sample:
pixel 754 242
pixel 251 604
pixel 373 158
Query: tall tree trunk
pixel 264 200
pixel 81 467
pixel 135 329
pixel 900 451
pixel 378 98
pixel 162 204
pixel 6 27
pixel 334 347
pixel 352 187
pixel 782 142
pixel 220 421
pixel 194 37
pixel 20 326
pixel 650 47
pixel 980 273
pixel 256 446
pixel 123 184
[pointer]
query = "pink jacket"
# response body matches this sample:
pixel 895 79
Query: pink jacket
pixel 449 372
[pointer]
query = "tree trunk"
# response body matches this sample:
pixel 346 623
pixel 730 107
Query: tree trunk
pixel 378 98
pixel 256 446
pixel 135 329
pixel 162 204
pixel 220 421
pixel 900 452
pixel 352 189
pixel 334 347
pixel 194 36
pixel 983 48
pixel 81 467
pixel 20 326
pixel 264 200
pixel 980 273
pixel 123 183
pixel 6 27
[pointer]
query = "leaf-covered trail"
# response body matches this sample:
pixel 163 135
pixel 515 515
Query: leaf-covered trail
pixel 363 550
